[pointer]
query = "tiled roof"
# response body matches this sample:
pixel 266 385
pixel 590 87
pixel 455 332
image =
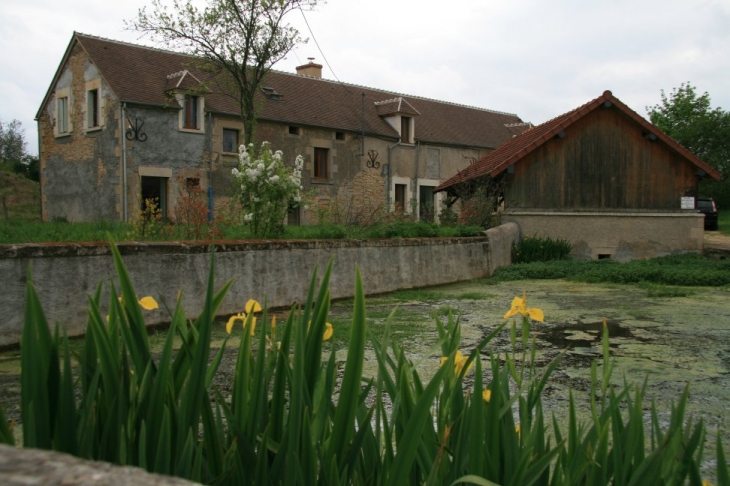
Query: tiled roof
pixel 138 74
pixel 396 105
pixel 516 148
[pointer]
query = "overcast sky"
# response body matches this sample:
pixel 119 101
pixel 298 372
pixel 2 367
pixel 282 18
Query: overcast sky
pixel 537 59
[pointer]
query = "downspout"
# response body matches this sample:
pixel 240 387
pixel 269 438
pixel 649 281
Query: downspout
pixel 388 172
pixel 40 172
pixel 210 167
pixel 416 195
pixel 122 134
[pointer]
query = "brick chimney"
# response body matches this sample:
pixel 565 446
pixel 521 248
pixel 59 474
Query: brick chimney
pixel 312 70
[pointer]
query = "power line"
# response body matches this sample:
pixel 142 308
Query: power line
pixel 320 51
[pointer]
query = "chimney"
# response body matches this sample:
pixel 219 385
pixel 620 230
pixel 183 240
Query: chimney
pixel 312 70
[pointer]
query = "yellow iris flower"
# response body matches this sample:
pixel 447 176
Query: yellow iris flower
pixel 252 306
pixel 487 395
pixel 147 303
pixel 459 362
pixel 329 330
pixel 519 306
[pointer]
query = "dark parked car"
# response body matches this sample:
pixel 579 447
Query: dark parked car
pixel 707 206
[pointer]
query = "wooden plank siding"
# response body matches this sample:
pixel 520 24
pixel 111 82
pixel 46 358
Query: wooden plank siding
pixel 603 162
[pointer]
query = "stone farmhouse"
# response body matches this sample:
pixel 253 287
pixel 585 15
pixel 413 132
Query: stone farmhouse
pixel 600 176
pixel 121 123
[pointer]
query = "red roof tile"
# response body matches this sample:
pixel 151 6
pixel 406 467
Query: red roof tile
pixel 138 74
pixel 515 149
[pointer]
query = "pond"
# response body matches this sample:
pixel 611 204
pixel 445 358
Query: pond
pixel 674 341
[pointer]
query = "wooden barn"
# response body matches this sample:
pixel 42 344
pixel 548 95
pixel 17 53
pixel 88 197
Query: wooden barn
pixel 600 176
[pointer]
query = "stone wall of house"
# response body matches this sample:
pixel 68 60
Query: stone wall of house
pixel 82 165
pixel 617 235
pixel 277 272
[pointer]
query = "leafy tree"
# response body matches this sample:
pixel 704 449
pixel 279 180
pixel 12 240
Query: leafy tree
pixel 690 120
pixel 12 143
pixel 29 166
pixel 241 39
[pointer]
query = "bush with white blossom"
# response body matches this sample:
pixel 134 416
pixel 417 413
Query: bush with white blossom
pixel 267 188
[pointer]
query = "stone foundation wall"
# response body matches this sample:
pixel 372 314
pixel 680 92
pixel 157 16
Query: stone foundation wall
pixel 620 236
pixel 277 272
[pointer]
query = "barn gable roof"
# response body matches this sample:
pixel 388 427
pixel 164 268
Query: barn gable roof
pixel 516 148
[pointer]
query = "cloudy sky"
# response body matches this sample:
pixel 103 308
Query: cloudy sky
pixel 537 59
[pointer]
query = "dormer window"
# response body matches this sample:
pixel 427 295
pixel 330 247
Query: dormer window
pixel 399 114
pixel 405 129
pixel 191 112
pixel 271 93
pixel 188 91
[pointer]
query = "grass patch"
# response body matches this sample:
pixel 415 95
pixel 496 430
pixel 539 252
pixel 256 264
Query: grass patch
pixel 662 291
pixel 17 229
pixel 19 198
pixel 723 222
pixel 688 270
pixel 470 296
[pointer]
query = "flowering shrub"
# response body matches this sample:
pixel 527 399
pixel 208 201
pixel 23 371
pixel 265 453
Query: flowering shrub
pixel 267 188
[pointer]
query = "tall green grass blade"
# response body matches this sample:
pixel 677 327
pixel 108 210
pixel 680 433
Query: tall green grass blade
pixel 408 445
pixel 6 432
pixel 35 352
pixel 65 436
pixel 473 479
pixel 723 472
pixel 344 420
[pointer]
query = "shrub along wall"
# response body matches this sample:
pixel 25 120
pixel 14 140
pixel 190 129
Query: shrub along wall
pixel 277 272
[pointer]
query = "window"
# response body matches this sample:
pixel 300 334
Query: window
pixel 92 108
pixel 192 184
pixel 400 197
pixel 339 136
pixel 154 189
pixel 405 129
pixel 321 163
pixel 191 112
pixel 293 217
pixel 62 115
pixel 426 204
pixel 293 130
pixel 230 140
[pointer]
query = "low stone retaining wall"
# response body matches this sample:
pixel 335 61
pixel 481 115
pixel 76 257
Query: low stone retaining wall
pixel 619 235
pixel 277 271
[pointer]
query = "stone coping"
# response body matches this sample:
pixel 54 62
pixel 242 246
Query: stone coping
pixel 680 213
pixel 100 248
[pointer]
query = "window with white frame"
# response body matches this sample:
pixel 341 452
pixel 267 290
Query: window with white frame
pixel 191 113
pixel 62 125
pixel 92 108
pixel 63 114
pixel 400 194
pixel 429 203
pixel 406 126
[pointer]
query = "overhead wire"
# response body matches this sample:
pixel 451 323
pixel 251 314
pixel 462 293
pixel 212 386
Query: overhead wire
pixel 322 53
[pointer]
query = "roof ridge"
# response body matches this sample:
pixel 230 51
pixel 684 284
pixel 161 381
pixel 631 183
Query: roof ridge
pixel 351 85
pixel 395 93
pixel 131 44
